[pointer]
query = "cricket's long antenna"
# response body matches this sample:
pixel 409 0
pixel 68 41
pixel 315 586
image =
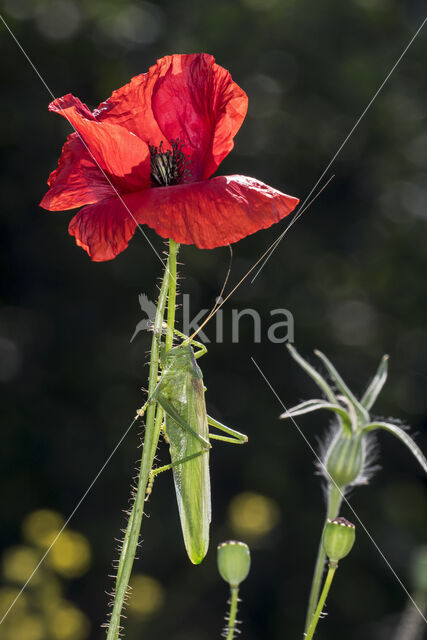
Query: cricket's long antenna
pixel 271 248
pixel 216 305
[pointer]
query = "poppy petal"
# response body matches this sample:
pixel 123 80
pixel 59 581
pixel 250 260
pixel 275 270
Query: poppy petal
pixel 212 213
pixel 76 181
pixel 197 102
pixel 103 229
pixel 130 106
pixel 117 151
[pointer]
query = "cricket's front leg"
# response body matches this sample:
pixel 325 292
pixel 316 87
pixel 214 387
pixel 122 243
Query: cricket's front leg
pixel 236 436
pixel 194 343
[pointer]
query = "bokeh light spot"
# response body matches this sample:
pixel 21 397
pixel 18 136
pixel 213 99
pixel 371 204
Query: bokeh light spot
pixel 70 555
pixel 8 595
pixel 10 359
pixel 68 623
pixel 40 527
pixel 134 24
pixel 58 20
pixel 354 322
pixel 252 514
pixel 19 563
pixel 48 594
pixel 264 94
pixel 419 570
pixel 19 9
pixel 147 595
pixel 28 627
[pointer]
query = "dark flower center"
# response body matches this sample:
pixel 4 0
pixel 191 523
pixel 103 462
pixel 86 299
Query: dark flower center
pixel 168 167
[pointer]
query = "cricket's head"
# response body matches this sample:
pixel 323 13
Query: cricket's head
pixel 181 357
pixel 178 356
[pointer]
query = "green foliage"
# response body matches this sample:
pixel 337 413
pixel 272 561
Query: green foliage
pixel 347 457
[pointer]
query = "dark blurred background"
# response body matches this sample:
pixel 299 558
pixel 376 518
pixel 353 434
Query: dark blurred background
pixel 351 271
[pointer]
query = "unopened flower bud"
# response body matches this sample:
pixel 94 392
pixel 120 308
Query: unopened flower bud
pixel 338 539
pixel 344 459
pixel 234 561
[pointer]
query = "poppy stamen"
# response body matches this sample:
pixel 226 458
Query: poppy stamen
pixel 169 167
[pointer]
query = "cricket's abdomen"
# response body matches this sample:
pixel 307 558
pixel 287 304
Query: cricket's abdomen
pixel 192 482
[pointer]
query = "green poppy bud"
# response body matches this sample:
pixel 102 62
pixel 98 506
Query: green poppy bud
pixel 338 539
pixel 344 459
pixel 234 561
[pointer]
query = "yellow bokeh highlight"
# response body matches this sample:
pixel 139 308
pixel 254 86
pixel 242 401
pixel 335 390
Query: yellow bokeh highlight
pixel 28 627
pixel 70 555
pixel 48 595
pixel 253 515
pixel 147 595
pixel 67 622
pixel 40 527
pixel 8 596
pixel 19 563
pixel 41 613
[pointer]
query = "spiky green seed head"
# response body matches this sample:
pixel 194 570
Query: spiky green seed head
pixel 338 539
pixel 234 561
pixel 344 459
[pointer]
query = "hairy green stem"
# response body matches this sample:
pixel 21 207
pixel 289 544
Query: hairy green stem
pixel 153 424
pixel 234 599
pixel 173 251
pixel 334 504
pixel 322 600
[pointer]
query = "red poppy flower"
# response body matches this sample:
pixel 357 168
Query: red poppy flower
pixel 146 156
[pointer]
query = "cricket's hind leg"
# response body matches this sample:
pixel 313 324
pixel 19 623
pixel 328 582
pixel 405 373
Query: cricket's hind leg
pixel 235 437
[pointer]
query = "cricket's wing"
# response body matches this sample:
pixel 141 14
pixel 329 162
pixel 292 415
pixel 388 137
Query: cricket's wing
pixel 192 482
